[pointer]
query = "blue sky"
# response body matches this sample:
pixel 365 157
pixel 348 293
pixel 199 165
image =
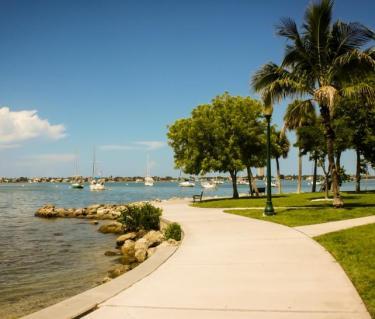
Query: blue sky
pixel 114 74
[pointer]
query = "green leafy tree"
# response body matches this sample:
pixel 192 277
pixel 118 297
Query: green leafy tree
pixel 323 62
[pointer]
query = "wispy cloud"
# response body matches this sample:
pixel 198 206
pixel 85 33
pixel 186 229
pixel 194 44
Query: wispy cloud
pixel 9 146
pixel 140 145
pixel 17 126
pixel 151 145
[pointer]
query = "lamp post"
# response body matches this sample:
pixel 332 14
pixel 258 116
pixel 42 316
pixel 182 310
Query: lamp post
pixel 268 210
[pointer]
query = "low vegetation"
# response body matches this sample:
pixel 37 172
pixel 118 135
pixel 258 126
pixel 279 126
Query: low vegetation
pixel 354 250
pixel 143 216
pixel 173 231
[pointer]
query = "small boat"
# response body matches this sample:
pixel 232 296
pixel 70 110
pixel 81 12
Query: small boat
pixel 77 185
pixel 317 183
pixel 208 185
pixel 97 185
pixel 149 181
pixel 243 182
pixel 77 180
pixel 187 184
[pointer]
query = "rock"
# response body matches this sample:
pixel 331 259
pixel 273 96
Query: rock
pixel 118 270
pixel 141 254
pixel 172 242
pixel 126 260
pixel 121 239
pixel 93 208
pixel 47 211
pixel 94 222
pixel 128 249
pixel 141 233
pixel 151 251
pixel 111 253
pixel 154 238
pixel 105 279
pixel 113 227
pixel 133 265
pixel 141 243
pixel 102 213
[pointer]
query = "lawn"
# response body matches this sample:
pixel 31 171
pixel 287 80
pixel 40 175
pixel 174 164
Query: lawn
pixel 306 216
pixel 354 249
pixel 351 199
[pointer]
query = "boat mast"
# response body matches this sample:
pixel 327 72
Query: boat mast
pixel 93 163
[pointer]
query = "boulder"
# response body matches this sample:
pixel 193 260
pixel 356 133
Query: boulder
pixel 118 270
pixel 154 238
pixel 121 239
pixel 113 227
pixel 128 249
pixel 141 243
pixel 111 253
pixel 94 222
pixel 141 254
pixel 102 213
pixel 47 211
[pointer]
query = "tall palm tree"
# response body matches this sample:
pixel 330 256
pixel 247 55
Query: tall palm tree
pixel 322 62
pixel 299 114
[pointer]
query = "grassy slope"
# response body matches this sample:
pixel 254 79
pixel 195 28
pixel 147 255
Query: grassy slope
pixel 354 249
pixel 306 216
pixel 286 200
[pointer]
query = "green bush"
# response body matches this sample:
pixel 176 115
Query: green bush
pixel 173 231
pixel 140 216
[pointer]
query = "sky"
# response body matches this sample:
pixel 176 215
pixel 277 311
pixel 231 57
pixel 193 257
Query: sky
pixel 112 75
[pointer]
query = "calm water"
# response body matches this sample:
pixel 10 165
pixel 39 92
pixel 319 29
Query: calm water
pixel 44 261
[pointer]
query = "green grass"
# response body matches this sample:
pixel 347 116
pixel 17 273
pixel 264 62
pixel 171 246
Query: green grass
pixel 306 216
pixel 351 200
pixel 354 249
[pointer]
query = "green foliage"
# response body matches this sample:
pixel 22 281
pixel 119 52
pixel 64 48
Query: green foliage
pixel 173 231
pixel 225 136
pixel 140 216
pixel 354 250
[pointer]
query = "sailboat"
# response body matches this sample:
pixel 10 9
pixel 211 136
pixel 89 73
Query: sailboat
pixel 77 181
pixel 149 181
pixel 96 184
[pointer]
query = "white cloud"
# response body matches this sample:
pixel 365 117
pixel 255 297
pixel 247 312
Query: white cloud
pixel 17 126
pixel 151 145
pixel 141 145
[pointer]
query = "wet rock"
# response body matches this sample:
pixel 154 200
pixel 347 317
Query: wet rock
pixel 104 280
pixel 121 239
pixel 141 243
pixel 113 227
pixel 111 253
pixel 94 222
pixel 140 254
pixel 47 211
pixel 151 251
pixel 118 270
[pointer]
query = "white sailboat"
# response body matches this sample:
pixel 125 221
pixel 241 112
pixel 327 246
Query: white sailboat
pixel 77 180
pixel 186 184
pixel 96 184
pixel 208 185
pixel 149 181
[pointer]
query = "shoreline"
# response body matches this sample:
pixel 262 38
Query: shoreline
pixel 87 300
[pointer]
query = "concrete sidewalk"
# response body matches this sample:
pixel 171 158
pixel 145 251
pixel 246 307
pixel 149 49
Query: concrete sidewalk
pixel 230 266
pixel 320 229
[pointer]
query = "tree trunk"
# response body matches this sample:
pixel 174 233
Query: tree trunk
pixel 248 168
pixel 326 186
pixel 314 175
pixel 253 183
pixel 278 174
pixel 233 175
pixel 358 172
pixel 299 182
pixel 330 137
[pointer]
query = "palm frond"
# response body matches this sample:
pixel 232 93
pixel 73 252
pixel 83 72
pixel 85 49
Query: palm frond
pixel 364 91
pixel 299 113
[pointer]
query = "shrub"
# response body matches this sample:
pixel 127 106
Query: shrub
pixel 173 231
pixel 144 216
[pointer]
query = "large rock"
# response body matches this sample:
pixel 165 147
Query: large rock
pixel 118 270
pixel 154 238
pixel 141 254
pixel 151 251
pixel 102 213
pixel 113 227
pixel 121 239
pixel 128 248
pixel 47 211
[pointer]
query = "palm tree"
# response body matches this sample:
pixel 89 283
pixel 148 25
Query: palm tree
pixel 299 114
pixel 279 148
pixel 322 62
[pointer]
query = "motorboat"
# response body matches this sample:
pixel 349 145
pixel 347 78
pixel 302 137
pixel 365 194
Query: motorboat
pixel 77 185
pixel 208 185
pixel 186 184
pixel 97 185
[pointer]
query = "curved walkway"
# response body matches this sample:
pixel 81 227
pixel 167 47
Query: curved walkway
pixel 229 266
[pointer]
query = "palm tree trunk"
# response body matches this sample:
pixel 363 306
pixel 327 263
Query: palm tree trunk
pixel 358 172
pixel 233 175
pixel 314 175
pixel 326 184
pixel 330 137
pixel 248 168
pixel 278 174
pixel 299 183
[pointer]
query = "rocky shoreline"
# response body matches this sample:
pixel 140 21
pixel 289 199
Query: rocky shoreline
pixel 132 248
